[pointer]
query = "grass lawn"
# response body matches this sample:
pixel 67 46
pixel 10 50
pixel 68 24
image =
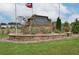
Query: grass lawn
pixel 63 47
pixel 3 35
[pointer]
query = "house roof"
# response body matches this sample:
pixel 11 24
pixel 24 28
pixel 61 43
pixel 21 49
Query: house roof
pixel 38 16
pixel 39 21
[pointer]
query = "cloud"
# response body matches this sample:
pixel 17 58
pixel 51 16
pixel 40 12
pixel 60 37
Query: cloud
pixel 7 12
pixel 64 9
pixel 51 10
pixel 69 14
pixel 7 8
pixel 46 9
pixel 22 10
pixel 73 17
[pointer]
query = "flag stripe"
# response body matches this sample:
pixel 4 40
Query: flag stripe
pixel 29 5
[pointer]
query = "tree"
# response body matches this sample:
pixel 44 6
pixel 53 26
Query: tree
pixel 3 27
pixel 75 26
pixel 58 24
pixel 66 27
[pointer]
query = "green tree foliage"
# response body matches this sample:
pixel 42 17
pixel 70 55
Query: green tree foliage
pixel 66 27
pixel 58 24
pixel 75 26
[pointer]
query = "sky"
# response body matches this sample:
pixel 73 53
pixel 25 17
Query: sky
pixel 68 11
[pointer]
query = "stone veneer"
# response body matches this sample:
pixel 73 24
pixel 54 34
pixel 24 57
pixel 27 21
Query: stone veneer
pixel 35 37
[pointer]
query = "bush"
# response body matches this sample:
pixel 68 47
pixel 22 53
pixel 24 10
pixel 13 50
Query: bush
pixel 66 27
pixel 75 27
pixel 57 31
pixel 45 31
pixel 25 30
pixel 42 30
pixel 34 30
pixel 58 24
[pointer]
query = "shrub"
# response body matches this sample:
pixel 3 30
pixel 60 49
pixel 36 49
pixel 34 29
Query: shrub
pixel 75 27
pixel 45 31
pixel 57 31
pixel 66 27
pixel 58 24
pixel 34 30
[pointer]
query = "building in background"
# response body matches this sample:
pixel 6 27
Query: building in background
pixel 38 24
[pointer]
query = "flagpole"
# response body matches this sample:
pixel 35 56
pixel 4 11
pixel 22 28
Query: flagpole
pixel 59 10
pixel 15 18
pixel 30 27
pixel 32 8
pixel 31 21
pixel 29 5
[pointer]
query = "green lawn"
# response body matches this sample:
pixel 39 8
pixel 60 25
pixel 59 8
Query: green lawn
pixel 64 47
pixel 3 35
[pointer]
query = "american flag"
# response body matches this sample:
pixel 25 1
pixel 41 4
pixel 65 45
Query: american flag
pixel 29 5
